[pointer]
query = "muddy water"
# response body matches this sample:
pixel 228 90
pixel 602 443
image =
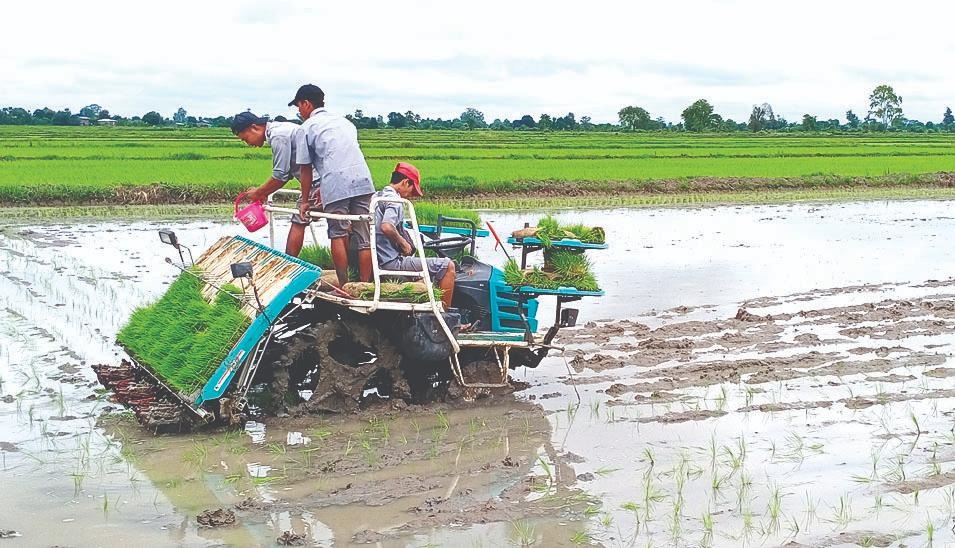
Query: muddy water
pixel 821 418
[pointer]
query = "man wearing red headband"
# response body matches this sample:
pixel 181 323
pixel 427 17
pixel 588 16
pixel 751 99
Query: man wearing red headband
pixel 395 247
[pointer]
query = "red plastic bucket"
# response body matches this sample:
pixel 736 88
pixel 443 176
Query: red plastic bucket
pixel 252 216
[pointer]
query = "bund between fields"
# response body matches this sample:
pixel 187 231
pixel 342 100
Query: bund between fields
pixel 165 199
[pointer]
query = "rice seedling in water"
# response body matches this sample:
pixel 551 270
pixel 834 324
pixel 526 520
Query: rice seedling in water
pixel 443 421
pixel 580 537
pixel 842 512
pixel 604 471
pixel 915 421
pixel 774 509
pixel 707 522
pixel 197 455
pixel 651 496
pixel 524 532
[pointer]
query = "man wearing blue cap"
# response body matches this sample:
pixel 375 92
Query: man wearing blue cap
pixel 256 131
pixel 327 150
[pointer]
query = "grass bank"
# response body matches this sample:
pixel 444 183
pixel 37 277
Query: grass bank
pixel 222 211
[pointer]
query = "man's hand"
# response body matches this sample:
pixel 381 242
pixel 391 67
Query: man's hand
pixel 303 211
pixel 255 195
pixel 406 248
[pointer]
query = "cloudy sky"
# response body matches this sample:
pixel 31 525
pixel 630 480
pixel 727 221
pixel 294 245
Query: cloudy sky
pixel 506 58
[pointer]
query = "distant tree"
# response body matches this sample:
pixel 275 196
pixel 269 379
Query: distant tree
pixel 218 121
pixel 180 116
pixel 700 116
pixel 762 117
pixel 852 119
pixel 91 111
pixel 526 121
pixel 15 116
pixel 884 105
pixel 545 122
pixel 633 117
pixel 585 123
pixel 191 120
pixel 63 118
pixel 364 122
pixel 729 125
pixel 397 120
pixel 473 118
pixel 103 115
pixel 947 118
pixel 808 122
pixel 568 122
pixel 153 118
pixel 412 119
pixel 499 124
pixel 45 114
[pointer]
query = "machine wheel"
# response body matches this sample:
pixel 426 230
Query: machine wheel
pixel 337 365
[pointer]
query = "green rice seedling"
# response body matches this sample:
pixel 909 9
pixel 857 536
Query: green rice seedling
pixel 370 453
pixel 571 269
pixel 651 496
pixel 774 508
pixel 403 292
pixel 443 421
pixel 915 422
pixel 580 537
pixel 929 530
pixel 549 230
pixel 525 534
pixel 319 434
pixel 318 255
pixel 513 275
pixel 275 448
pixel 427 214
pixel 196 455
pixel 595 409
pixel 676 520
pixel 78 478
pixel 181 337
pixel 604 471
pixel 233 479
pixel 842 512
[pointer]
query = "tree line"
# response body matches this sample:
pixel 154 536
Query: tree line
pixel 885 114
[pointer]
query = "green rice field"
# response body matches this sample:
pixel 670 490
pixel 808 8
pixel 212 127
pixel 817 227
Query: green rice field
pixel 83 165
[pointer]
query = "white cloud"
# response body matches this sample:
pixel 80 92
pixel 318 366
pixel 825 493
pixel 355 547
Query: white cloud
pixel 506 58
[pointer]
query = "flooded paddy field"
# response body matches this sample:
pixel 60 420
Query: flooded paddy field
pixel 759 375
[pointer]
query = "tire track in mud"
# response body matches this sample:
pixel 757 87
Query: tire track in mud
pixel 879 362
pixel 754 349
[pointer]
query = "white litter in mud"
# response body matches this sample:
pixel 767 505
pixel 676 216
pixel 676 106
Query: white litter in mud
pixel 256 431
pixel 296 438
pixel 257 470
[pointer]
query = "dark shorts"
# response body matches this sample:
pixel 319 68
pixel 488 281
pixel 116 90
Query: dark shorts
pixel 356 205
pixel 313 195
pixel 437 266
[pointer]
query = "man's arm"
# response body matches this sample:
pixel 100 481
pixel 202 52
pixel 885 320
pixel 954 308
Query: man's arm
pixel 392 233
pixel 303 158
pixel 281 169
pixel 259 194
